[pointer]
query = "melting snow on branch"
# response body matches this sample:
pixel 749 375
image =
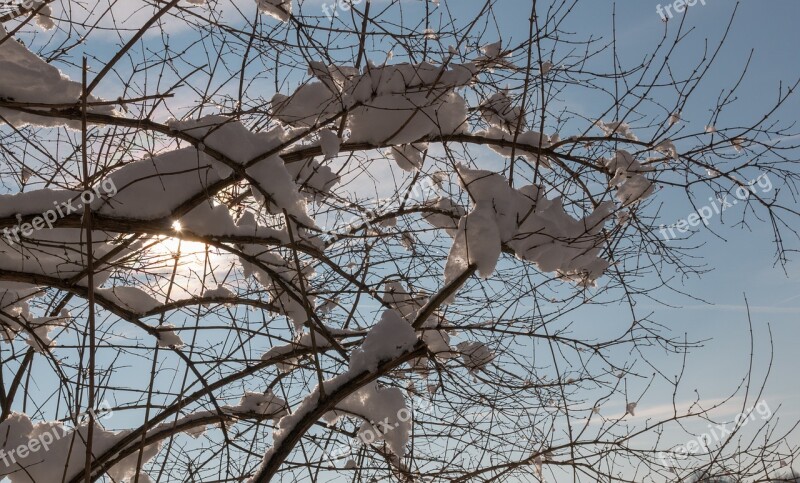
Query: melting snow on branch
pixel 398 104
pixel 535 228
pixel 613 129
pixel 631 185
pixel 388 339
pixel 277 9
pixel 27 78
pixel 65 454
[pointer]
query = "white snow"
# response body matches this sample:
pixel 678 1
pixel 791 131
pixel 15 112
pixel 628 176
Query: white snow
pixel 28 78
pixel 218 221
pixel 535 228
pixel 386 340
pixel 632 186
pixel 58 254
pixel 378 407
pixel 477 242
pixel 241 145
pixel 267 404
pixel 34 202
pixel 229 137
pixel 409 156
pixel 492 50
pixel 329 142
pixel 167 337
pixel 494 57
pixel 131 298
pixel 499 111
pixel 65 455
pixel 617 129
pixel 529 138
pixel 272 177
pixel 219 292
pixel 152 188
pixel 475 355
pixel 443 221
pixel 42 327
pixel 277 9
pixel 44 18
pixel 438 341
pixel 667 147
pixel 14 305
pixel 401 103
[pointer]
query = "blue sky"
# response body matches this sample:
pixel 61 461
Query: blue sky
pixel 743 261
pixel 743 264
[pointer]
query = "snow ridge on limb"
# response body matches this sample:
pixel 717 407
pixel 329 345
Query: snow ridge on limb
pixel 632 186
pixel 537 229
pixel 62 450
pixel 388 344
pixel 448 220
pixel 277 9
pixel 390 104
pixel 269 177
pixel 29 79
pixel 391 342
pixel 152 189
pixel 14 298
pixel 410 306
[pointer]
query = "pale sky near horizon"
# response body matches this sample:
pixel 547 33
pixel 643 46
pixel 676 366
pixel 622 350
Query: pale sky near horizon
pixel 743 261
pixel 744 264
